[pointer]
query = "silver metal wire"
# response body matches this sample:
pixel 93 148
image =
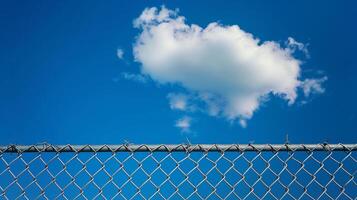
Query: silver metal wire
pixel 205 171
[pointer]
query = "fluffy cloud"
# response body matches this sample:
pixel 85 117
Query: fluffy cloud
pixel 230 71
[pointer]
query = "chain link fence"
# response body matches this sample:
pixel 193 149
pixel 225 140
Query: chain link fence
pixel 287 171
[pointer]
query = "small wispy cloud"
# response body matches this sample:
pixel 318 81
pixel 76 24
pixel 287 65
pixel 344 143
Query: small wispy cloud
pixel 120 53
pixel 180 101
pixel 313 86
pixel 293 46
pixel 243 123
pixel 134 77
pixel 184 124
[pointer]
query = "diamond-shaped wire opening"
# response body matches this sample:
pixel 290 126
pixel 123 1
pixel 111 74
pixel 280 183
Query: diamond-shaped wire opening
pixel 158 176
pixel 348 160
pixel 250 176
pixel 278 190
pixel 323 176
pixel 333 190
pixel 43 177
pixel 16 164
pixel 104 157
pixel 110 190
pixel 92 164
pixel 204 189
pixel 130 165
pixel 205 164
pixel 233 176
pixel 149 164
pixel 91 190
pixel 260 189
pixel 195 176
pixel 259 164
pixel 63 177
pixel 242 188
pixel 232 195
pixel 224 164
pixel 293 164
pixel 71 189
pixel 185 189
pixel 15 167
pixel 6 179
pixel 315 190
pixel 55 166
pixel 168 164
pixel 129 190
pixel 296 190
pixel 167 189
pixel 120 177
pixel 268 177
pixel 349 190
pixel 303 177
pixel 139 177
pixel 51 191
pixel 101 177
pixel 286 177
pixel 177 177
pixel 214 176
pixel 74 164
pixel 331 164
pixel 186 164
pixel 223 189
pixel 276 163
pixel 313 163
pixel 32 191
pixel 158 196
pixel 14 191
pixel 112 164
pixel 25 177
pixel 342 177
pixel 66 157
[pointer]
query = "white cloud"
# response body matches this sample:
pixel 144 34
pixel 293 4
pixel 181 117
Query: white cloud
pixel 120 53
pixel 313 86
pixel 227 68
pixel 134 77
pixel 184 124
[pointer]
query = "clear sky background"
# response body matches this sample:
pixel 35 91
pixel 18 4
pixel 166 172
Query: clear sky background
pixel 61 80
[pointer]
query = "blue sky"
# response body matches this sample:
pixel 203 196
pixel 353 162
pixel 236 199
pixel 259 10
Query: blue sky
pixel 61 80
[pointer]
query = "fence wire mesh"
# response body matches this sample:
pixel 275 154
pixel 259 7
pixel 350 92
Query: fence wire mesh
pixel 320 171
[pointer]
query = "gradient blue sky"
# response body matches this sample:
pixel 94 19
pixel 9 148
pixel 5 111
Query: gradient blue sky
pixel 60 75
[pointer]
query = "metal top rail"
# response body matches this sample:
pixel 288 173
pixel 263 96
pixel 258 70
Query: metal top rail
pixel 177 148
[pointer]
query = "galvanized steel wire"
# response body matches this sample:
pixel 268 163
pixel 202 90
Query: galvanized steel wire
pixel 184 171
